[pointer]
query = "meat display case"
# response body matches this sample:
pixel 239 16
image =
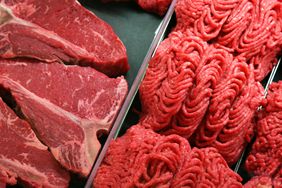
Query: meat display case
pixel 142 40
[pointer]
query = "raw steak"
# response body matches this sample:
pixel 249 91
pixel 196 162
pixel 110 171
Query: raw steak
pixel 23 157
pixel 60 30
pixel 66 105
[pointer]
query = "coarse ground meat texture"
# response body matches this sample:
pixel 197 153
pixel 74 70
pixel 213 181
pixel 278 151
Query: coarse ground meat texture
pixel 205 168
pixel 191 85
pixel 254 30
pixel 204 18
pixel 277 180
pixel 169 77
pixel 265 157
pixel 251 29
pixel 142 158
pixel 228 123
pixel 259 181
pixel 212 66
pixel 265 181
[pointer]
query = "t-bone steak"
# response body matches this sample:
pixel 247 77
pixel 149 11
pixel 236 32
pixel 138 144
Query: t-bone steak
pixel 23 157
pixel 63 31
pixel 66 105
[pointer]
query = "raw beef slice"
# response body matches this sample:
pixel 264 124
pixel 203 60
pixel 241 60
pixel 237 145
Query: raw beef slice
pixel 57 30
pixel 66 105
pixel 23 157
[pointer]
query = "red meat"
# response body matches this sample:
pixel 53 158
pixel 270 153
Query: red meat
pixel 265 181
pixel 205 168
pixel 156 6
pixel 228 124
pixel 211 68
pixel 60 31
pixel 266 154
pixel 142 158
pixel 169 77
pixel 204 18
pixel 184 83
pixel 253 30
pixel 259 181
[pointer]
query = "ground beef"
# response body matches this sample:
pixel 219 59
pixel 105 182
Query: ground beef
pixel 265 157
pixel 251 29
pixel 259 181
pixel 212 66
pixel 277 180
pixel 142 158
pixel 265 181
pixel 216 85
pixel 205 168
pixel 169 77
pixel 228 123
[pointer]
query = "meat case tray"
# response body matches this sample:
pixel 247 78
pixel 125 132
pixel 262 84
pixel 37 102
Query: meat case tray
pixel 131 117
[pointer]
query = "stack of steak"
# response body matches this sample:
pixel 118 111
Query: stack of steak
pixel 265 158
pixel 49 105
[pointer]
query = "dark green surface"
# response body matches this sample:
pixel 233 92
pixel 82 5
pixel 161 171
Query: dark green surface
pixel 135 28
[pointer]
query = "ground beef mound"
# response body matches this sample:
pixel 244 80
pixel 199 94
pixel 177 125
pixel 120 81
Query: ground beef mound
pixel 265 157
pixel 203 82
pixel 251 29
pixel 142 158
pixel 194 88
pixel 159 7
pixel 259 181
pixel 169 77
pixel 228 123
pixel 205 168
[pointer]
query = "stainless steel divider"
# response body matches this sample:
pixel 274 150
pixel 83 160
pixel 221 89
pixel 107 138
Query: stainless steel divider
pixel 132 92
